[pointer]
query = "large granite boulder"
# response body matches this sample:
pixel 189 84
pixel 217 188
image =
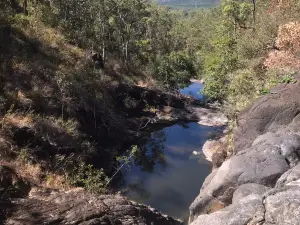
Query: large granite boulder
pixel 277 207
pixel 270 113
pixel 248 189
pixel 264 171
pixel 247 211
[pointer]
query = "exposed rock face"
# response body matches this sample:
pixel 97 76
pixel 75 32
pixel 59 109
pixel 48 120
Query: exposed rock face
pixel 69 207
pixel 79 207
pixel 260 184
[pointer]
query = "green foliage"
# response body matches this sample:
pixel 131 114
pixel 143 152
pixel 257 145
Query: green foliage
pixel 125 159
pixel 238 12
pixel 90 178
pixel 242 83
pixel 264 91
pixel 217 67
pixel 174 71
pixel 287 79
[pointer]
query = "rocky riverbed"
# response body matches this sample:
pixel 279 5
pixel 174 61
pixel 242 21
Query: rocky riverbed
pixel 260 183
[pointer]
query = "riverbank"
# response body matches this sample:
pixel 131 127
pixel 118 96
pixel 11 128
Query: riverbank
pixel 180 108
pixel 259 184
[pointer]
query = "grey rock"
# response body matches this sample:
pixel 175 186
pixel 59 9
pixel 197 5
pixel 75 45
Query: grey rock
pixel 288 144
pixel 204 116
pixel 247 189
pixel 289 176
pixel 266 164
pixel 251 167
pixel 209 117
pixel 80 207
pixel 283 207
pixel 276 207
pixel 268 114
pixel 248 211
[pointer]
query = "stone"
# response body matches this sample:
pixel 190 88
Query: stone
pixel 288 144
pixel 289 176
pixel 279 206
pixel 268 114
pixel 248 211
pixel 283 206
pixel 265 166
pixel 245 190
pixel 79 207
pixel 251 167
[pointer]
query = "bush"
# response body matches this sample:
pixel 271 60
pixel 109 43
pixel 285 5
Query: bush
pixel 90 178
pixel 174 71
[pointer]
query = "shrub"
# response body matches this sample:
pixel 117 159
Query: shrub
pixel 90 178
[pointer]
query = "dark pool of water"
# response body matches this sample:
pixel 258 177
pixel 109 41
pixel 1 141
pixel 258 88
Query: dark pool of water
pixel 166 174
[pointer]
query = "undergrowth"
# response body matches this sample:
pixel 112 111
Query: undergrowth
pixel 58 115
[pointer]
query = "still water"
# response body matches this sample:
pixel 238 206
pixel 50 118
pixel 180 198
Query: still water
pixel 193 90
pixel 166 174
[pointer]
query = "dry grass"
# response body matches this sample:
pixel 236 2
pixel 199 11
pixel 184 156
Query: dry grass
pixel 49 37
pixel 18 120
pixel 282 60
pixel 21 161
pixel 288 42
pixel 147 83
pixel 55 181
pixel 53 80
pixel 279 4
pixel 36 176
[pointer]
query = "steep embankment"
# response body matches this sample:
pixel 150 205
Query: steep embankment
pixel 259 184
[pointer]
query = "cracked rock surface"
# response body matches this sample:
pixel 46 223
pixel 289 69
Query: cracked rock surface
pixel 260 183
pixel 20 204
pixel 80 207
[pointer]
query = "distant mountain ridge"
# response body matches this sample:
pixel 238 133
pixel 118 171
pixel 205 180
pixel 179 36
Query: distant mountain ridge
pixel 188 3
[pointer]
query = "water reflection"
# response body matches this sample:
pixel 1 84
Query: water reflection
pixel 165 174
pixel 151 152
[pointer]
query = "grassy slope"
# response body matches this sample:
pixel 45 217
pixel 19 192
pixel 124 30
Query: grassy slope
pixel 55 109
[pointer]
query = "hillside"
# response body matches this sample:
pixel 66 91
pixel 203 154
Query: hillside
pixel 65 122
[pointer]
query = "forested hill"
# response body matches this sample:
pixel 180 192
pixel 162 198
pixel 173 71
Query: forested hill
pixel 189 4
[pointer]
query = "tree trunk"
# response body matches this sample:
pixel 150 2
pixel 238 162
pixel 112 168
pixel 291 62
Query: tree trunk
pixel 103 52
pixel 126 52
pixel 25 11
pixel 254 10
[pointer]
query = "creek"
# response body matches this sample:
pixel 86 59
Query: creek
pixel 165 173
